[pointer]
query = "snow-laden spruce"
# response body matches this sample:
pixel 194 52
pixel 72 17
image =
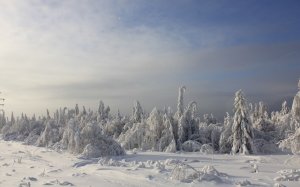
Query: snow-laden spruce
pixel 242 127
pixel 226 137
pixel 296 104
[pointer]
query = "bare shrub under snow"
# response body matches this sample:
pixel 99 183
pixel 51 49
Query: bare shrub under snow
pixel 288 175
pixel 187 173
pixel 207 149
pixel 292 142
pixel 191 146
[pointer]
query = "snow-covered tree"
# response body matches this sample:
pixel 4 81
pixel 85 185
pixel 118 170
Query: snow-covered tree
pixel 264 124
pixel 133 136
pixel 209 119
pixel 103 113
pixel 296 104
pixel 137 113
pixel 167 141
pixel 48 114
pixel 101 108
pixel 180 104
pixel 188 124
pixel 288 127
pixel 12 119
pixel 292 143
pixel 262 109
pixel 84 111
pixel 226 137
pixel 284 108
pixel 2 118
pixel 242 127
pixel 50 135
pixel 76 110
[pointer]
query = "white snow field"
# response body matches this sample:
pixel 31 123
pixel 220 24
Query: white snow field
pixel 25 165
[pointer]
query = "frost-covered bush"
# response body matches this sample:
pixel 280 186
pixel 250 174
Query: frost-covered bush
pixel 292 142
pixel 50 135
pixel 265 147
pixel 23 129
pixel 209 119
pixel 288 175
pixel 156 133
pixel 191 146
pixel 114 128
pixel 263 124
pixel 210 134
pixel 134 135
pixel 36 129
pixel 70 139
pixel 86 138
pixel 17 130
pixel 207 149
pixel 104 146
pixel 187 173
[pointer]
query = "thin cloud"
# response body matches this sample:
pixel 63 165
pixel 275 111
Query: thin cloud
pixel 61 52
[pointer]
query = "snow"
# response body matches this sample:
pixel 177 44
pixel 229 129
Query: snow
pixel 23 164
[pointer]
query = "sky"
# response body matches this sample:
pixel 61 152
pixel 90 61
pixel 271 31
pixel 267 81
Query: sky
pixel 58 53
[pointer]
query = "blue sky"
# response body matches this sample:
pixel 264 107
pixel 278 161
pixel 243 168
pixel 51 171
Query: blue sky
pixel 59 53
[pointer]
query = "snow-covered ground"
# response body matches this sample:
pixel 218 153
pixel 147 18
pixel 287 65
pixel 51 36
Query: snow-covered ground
pixel 23 164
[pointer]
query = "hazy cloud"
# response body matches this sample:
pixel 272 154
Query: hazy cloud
pixel 58 53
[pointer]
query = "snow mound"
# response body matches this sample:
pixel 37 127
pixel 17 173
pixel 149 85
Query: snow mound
pixel 244 183
pixel 186 173
pixel 191 146
pixel 111 162
pixel 90 143
pixel 288 175
pixel 106 147
pixel 210 170
pixel 158 166
pixel 279 185
pixel 171 162
pixel 207 149
pixel 209 173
